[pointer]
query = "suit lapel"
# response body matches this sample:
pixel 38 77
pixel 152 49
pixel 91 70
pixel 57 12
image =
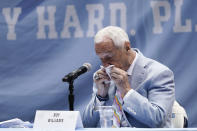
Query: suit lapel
pixel 139 71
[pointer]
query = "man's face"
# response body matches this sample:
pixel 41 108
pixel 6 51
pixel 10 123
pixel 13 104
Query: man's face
pixel 111 55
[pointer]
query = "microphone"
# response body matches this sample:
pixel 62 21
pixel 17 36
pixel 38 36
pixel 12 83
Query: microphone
pixel 73 75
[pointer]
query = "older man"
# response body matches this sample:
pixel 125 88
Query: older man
pixel 140 88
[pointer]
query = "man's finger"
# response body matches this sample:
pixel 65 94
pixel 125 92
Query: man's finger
pixel 115 76
pixel 116 70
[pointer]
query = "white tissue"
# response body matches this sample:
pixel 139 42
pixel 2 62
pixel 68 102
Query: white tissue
pixel 108 70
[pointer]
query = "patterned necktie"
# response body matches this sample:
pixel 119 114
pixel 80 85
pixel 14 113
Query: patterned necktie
pixel 117 104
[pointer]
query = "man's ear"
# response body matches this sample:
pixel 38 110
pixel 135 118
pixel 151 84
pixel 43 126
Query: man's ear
pixel 127 46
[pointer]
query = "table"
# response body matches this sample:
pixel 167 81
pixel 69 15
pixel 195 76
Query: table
pixel 107 129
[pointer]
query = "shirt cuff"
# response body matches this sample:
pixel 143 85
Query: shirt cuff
pixel 99 103
pixel 102 98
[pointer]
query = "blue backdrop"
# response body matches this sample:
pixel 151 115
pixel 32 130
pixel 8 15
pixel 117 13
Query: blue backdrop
pixel 41 41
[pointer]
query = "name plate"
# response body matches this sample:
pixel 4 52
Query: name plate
pixel 57 120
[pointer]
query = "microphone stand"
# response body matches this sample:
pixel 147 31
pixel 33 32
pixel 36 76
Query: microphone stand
pixel 70 79
pixel 71 95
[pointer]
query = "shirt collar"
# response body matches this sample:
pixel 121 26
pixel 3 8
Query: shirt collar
pixel 130 70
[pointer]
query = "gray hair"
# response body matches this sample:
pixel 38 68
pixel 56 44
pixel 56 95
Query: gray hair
pixel 118 35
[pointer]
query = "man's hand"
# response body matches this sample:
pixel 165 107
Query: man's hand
pixel 102 82
pixel 120 77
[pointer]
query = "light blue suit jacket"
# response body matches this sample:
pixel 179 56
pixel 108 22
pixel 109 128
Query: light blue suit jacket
pixel 150 104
